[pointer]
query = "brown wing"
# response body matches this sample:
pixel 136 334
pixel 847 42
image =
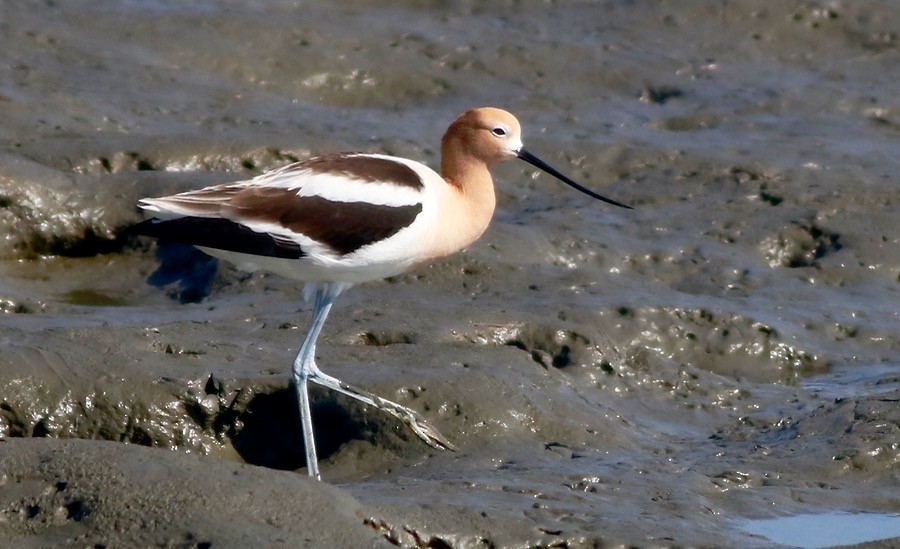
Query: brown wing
pixel 343 227
pixel 267 216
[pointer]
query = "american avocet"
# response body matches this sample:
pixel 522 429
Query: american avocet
pixel 334 221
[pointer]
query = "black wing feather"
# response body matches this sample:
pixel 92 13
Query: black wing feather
pixel 219 233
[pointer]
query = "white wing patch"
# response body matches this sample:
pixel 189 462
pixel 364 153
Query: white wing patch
pixel 340 187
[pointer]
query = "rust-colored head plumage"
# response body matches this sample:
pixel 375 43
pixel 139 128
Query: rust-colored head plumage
pixel 487 134
pixel 482 137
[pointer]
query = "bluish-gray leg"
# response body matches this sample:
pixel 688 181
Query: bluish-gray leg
pixel 305 368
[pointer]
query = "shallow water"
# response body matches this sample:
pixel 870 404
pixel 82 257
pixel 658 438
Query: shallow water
pixel 827 529
pixel 728 350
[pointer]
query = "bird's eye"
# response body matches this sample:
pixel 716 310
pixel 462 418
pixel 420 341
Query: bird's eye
pixel 499 131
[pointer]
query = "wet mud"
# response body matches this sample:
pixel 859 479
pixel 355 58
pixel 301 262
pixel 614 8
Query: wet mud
pixel 728 350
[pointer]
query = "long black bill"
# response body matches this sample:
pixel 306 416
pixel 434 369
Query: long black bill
pixel 537 162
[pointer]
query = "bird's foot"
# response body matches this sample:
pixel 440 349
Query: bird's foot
pixel 411 418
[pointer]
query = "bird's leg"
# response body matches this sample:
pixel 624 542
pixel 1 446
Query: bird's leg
pixel 305 368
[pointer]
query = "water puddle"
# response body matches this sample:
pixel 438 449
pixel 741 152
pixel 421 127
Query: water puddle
pixel 855 380
pixel 826 530
pixel 92 298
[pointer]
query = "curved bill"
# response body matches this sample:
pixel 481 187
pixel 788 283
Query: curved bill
pixel 538 163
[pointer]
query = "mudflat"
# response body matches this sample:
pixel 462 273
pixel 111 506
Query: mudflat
pixel 728 350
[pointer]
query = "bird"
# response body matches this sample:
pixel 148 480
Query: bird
pixel 337 220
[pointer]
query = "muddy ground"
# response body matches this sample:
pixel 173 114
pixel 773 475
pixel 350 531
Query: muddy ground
pixel 728 350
